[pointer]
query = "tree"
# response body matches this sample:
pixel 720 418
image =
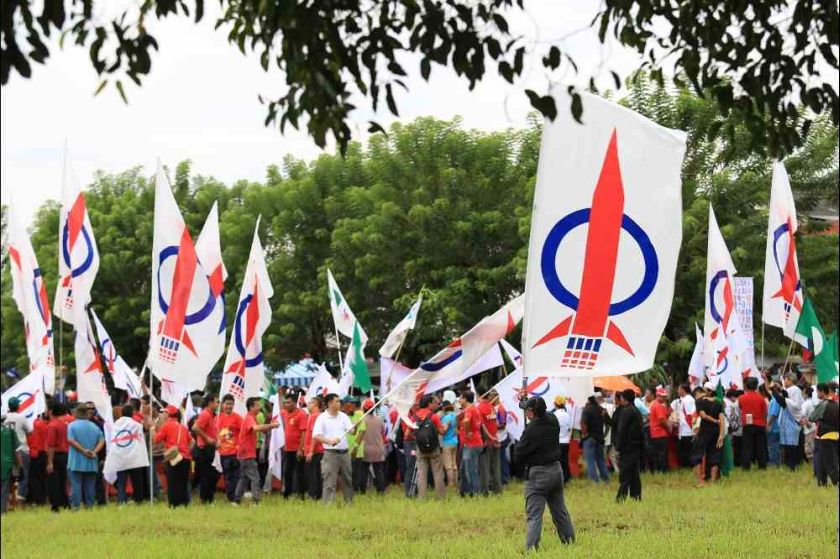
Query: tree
pixel 758 58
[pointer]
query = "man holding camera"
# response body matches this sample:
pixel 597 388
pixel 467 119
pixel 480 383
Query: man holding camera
pixel 539 451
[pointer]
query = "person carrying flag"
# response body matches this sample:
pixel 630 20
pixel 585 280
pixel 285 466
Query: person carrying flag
pixel 23 428
pixel 204 430
pixel 247 452
pixel 177 441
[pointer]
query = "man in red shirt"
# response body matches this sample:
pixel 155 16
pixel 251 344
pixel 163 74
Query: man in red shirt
pixel 314 452
pixel 204 430
pixel 658 422
pixel 228 424
pixel 489 463
pixel 295 423
pixel 247 452
pixel 753 408
pixel 37 441
pixel 57 449
pixel 470 435
pixel 426 437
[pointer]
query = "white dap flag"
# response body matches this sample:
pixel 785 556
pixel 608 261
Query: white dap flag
pixel 78 257
pixel 30 295
pixel 30 394
pixel 124 377
pixel 187 317
pixel 243 371
pixel 126 448
pixel 720 325
pixel 782 287
pixel 605 236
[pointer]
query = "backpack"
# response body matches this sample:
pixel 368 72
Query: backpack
pixel 426 435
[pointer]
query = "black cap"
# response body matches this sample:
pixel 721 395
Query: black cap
pixel 535 404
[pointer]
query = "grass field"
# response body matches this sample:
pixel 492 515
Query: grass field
pixel 752 515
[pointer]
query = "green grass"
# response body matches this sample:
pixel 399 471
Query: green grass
pixel 756 514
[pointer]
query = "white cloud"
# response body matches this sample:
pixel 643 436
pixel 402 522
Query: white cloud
pixel 200 103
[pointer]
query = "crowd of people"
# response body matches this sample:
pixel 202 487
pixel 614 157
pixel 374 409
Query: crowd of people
pixel 455 442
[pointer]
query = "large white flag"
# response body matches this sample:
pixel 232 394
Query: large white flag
pixel 605 237
pixel 243 372
pixel 124 377
pixel 322 384
pixel 126 448
pixel 90 381
pixel 697 367
pixel 720 321
pixel 486 334
pixel 30 295
pixel 398 334
pixel 277 439
pixel 782 284
pixel 490 360
pixel 208 249
pixel 78 257
pixel 186 316
pixel 30 394
pixel 342 315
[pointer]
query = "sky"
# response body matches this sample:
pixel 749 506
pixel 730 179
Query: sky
pixel 200 103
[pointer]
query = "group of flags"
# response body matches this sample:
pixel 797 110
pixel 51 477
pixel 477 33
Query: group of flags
pixel 726 356
pixel 602 256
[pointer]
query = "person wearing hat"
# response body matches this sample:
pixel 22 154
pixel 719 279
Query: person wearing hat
pixel 23 428
pixel 177 442
pixel 628 439
pixel 564 420
pixel 658 426
pixel 539 451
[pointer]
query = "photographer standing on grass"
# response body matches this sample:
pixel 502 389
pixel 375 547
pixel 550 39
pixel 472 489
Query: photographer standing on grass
pixel 539 451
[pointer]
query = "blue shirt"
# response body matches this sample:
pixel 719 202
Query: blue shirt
pixel 774 410
pixel 788 428
pixel 640 405
pixel 88 435
pixel 450 437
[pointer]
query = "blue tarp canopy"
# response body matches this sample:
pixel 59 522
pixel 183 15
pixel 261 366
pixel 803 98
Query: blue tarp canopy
pixel 297 374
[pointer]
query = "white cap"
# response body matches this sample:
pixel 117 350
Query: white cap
pixel 710 385
pixel 449 396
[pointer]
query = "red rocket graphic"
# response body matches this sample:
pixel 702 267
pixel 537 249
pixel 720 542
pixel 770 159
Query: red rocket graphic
pixel 590 324
pixel 173 331
pixel 75 222
pixel 790 277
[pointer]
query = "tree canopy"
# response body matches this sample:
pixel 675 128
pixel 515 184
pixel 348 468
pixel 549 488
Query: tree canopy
pixel 773 62
pixel 432 206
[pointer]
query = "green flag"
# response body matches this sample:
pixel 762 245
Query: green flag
pixel 356 361
pixel 810 334
pixel 825 358
pixel 727 457
pixel 269 388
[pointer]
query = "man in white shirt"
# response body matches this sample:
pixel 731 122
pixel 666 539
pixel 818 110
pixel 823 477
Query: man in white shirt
pixel 22 427
pixel 564 419
pixel 794 393
pixel 686 409
pixel 331 430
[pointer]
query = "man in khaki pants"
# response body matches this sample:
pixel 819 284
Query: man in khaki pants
pixel 429 428
pixel 331 429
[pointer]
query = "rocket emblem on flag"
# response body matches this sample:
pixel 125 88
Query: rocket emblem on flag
pixel 719 332
pixel 592 321
pixel 791 289
pixel 74 229
pixel 249 309
pixel 172 328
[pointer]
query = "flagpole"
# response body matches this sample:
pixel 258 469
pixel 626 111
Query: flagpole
pixel 787 358
pixel 338 345
pixel 376 404
pixel 763 364
pixel 60 318
pixel 151 428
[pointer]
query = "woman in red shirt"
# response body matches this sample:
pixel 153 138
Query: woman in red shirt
pixel 173 434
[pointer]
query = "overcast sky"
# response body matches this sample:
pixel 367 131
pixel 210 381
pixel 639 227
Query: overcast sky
pixel 200 103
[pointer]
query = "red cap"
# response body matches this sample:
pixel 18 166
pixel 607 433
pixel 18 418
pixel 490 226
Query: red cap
pixel 661 391
pixel 170 409
pixel 368 404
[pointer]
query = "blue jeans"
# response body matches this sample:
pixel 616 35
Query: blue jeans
pixel 469 470
pixel 505 461
pixel 593 451
pixel 82 487
pixel 774 450
pixel 23 477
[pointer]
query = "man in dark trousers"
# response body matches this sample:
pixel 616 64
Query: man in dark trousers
pixel 628 440
pixel 539 451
